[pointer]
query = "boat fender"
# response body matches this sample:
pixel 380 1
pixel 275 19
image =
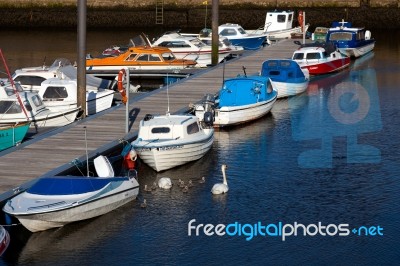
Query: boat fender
pixel 367 35
pixel 121 87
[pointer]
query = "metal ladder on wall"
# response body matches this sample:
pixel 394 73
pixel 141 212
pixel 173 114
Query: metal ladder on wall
pixel 159 11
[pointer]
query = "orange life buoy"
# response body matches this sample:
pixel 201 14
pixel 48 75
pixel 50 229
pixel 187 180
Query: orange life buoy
pixel 300 18
pixel 121 88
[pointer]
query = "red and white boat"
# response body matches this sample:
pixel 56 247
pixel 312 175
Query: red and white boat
pixel 320 58
pixel 4 240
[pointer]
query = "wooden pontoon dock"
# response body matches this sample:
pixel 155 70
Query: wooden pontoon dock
pixel 53 152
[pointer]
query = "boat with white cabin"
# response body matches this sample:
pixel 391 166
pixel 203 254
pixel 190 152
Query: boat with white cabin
pixel 190 48
pixel 167 141
pixel 320 58
pixel 279 25
pixel 19 106
pixel 55 201
pixel 31 78
pixel 60 94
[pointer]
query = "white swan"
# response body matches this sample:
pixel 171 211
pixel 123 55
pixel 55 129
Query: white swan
pixel 165 183
pixel 221 188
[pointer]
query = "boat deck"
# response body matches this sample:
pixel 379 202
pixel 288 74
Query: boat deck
pixel 54 152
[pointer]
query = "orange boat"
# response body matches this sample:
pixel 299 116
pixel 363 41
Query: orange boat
pixel 139 58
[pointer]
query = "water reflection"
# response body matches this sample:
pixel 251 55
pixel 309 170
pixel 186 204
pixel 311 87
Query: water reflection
pixel 345 104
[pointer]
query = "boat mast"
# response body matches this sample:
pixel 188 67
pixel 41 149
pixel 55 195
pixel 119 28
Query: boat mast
pixel 13 85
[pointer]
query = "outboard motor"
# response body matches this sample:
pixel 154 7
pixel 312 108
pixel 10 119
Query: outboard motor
pixel 208 119
pixel 209 102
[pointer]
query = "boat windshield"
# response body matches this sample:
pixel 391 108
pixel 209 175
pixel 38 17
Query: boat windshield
pixel 55 93
pixel 168 56
pixel 313 56
pixel 10 91
pixel 36 100
pixel 197 42
pixel 340 36
pixel 10 107
pixel 298 56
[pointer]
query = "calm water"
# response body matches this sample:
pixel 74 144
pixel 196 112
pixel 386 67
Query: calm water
pixel 330 155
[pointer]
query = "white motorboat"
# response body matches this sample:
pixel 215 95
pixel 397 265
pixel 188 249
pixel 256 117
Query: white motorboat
pixel 240 100
pixel 190 48
pixel 167 141
pixel 31 78
pixel 58 200
pixel 224 42
pixel 279 25
pixel 60 94
pixel 18 106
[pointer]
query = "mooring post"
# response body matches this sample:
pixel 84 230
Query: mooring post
pixel 215 36
pixel 81 75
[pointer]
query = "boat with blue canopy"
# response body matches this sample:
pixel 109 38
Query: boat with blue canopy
pixel 240 100
pixel 286 76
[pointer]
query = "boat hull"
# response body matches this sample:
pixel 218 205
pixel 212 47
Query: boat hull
pixel 12 135
pixel 357 51
pixel 45 221
pixel 38 212
pixel 233 115
pixel 249 43
pixel 326 67
pixel 46 119
pixel 203 58
pixel 164 156
pixel 286 89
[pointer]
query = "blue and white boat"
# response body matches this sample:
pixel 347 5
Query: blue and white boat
pixel 354 42
pixel 238 36
pixel 286 76
pixel 240 100
pixel 58 200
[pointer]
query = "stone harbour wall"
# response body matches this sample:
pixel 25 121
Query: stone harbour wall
pixel 191 13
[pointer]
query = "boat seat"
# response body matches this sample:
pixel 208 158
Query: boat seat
pixel 103 167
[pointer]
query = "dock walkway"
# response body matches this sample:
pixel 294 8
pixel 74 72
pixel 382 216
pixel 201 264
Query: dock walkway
pixel 53 153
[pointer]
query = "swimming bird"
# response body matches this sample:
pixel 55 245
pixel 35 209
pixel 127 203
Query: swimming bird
pixel 143 204
pixel 221 188
pixel 185 189
pixel 202 180
pixel 165 183
pixel 182 184
pixel 190 184
pixel 147 189
pixel 154 186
